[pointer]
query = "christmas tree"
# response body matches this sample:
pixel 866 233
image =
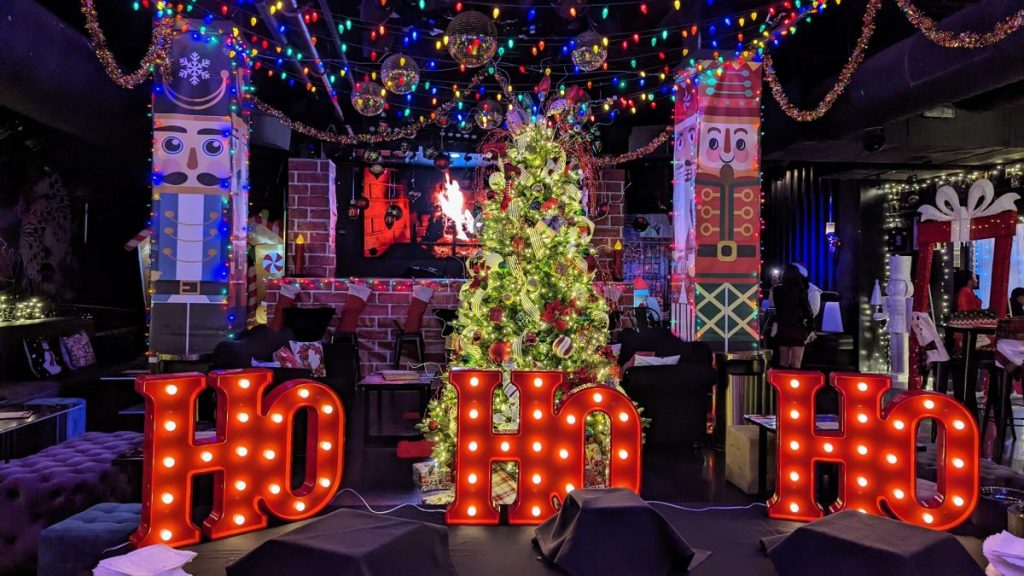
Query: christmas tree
pixel 530 301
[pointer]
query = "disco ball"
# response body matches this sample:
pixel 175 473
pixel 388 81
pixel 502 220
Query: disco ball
pixel 590 51
pixel 400 73
pixel 472 39
pixel 488 114
pixel 368 98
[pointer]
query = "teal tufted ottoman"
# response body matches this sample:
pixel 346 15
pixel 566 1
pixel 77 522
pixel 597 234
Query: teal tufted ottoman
pixel 74 546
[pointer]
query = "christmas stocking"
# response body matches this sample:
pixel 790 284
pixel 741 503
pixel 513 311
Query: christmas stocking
pixel 421 296
pixel 285 300
pixel 355 301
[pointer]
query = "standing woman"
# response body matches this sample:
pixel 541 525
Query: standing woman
pixel 792 316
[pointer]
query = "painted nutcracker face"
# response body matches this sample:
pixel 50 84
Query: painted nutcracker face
pixel 724 144
pixel 686 143
pixel 191 151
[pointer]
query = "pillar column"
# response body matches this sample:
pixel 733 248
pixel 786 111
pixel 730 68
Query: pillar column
pixel 312 213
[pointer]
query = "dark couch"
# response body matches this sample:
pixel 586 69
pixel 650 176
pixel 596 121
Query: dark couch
pixel 676 398
pixel 117 349
pixel 261 342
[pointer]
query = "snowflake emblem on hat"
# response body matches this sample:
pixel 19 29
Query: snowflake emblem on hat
pixel 194 68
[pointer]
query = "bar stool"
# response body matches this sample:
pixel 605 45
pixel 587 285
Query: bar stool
pixel 411 331
pixel 355 302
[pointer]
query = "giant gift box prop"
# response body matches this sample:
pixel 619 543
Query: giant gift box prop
pixel 984 216
pixel 877 448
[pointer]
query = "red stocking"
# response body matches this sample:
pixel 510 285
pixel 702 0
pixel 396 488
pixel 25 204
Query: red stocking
pixel 421 296
pixel 285 300
pixel 355 301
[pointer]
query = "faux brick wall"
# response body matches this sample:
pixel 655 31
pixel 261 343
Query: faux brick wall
pixel 609 229
pixel 312 212
pixel 388 302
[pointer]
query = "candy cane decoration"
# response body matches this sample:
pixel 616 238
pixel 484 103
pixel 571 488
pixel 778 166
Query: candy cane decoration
pixel 138 239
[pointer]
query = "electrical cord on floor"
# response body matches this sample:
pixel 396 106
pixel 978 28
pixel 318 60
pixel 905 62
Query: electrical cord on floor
pixel 389 510
pixel 709 508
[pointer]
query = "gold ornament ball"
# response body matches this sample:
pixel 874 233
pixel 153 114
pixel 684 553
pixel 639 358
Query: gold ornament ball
pixel 472 39
pixel 590 51
pixel 368 98
pixel 400 73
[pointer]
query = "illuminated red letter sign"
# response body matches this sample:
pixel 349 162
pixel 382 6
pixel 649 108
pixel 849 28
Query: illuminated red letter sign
pixel 876 448
pixel 250 455
pixel 548 446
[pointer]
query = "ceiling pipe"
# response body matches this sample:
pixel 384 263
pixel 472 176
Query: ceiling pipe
pixel 49 72
pixel 911 76
pixel 325 9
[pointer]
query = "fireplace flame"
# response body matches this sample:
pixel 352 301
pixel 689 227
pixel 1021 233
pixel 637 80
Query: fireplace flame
pixel 452 204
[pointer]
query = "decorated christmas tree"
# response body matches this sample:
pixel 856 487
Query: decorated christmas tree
pixel 530 301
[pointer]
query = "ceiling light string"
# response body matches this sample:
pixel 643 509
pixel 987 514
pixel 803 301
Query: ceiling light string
pixel 945 38
pixel 856 58
pixel 156 53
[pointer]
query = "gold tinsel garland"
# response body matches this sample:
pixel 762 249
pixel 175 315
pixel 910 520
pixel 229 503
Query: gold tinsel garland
pixel 856 58
pixel 644 150
pixel 947 39
pixel 156 54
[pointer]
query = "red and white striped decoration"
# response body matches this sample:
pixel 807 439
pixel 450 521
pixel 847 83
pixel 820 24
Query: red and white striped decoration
pixel 137 239
pixel 253 299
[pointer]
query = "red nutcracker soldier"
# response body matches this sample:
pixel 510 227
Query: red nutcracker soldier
pixel 727 201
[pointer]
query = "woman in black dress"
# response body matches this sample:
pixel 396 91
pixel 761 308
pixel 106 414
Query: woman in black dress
pixel 792 317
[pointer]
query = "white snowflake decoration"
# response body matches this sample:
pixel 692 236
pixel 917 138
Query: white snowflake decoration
pixel 194 68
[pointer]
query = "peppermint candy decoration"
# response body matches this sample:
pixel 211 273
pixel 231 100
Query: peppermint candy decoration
pixel 562 346
pixel 273 263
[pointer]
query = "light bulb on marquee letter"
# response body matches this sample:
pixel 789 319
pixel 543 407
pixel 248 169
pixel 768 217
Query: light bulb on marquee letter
pixel 549 449
pixel 876 447
pixel 250 457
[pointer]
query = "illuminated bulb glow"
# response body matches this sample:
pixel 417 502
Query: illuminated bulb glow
pixel 794 476
pixel 242 451
pixel 166 535
pixel 538 382
pixel 891 458
pixel 536 479
pixel 303 393
pixel 240 485
pixel 325 482
pixel 958 501
pixel 167 498
pixel 959 424
pixel 474 413
pixel 537 414
pixel 598 397
pixel 269 454
pixel 929 404
pixel 327 409
pixel 862 386
pixel 794 445
pixel 862 418
pixel 828 447
pixel 244 383
pixel 794 383
pixel 928 518
pixel 300 505
pixel 239 519
pixel 171 389
pixel 474 381
pixel 473 446
pixel 563 453
pixel 862 481
pixel 899 494
pixel 471 478
pixel 326 446
pixel 277 418
pixel 623 417
pixel 535 511
pixel 505 446
pixel 168 462
pixel 275 488
pixel 898 424
pixel 570 419
pixel 471 511
pixel 537 447
pixel 243 417
pixel 862 450
pixel 623 454
pixel 959 463
pixel 206 456
pixel 794 507
pixel 794 414
pixel 569 488
pixel 170 425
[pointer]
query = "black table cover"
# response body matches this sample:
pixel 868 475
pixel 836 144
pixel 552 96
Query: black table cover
pixel 850 543
pixel 352 542
pixel 612 531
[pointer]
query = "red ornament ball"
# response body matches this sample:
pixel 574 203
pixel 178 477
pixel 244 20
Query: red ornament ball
pixel 500 351
pixel 496 314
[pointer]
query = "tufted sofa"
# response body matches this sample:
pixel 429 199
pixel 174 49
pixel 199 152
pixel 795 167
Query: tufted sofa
pixel 54 484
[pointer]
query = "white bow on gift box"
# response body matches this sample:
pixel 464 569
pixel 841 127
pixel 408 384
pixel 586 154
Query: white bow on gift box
pixel 981 202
